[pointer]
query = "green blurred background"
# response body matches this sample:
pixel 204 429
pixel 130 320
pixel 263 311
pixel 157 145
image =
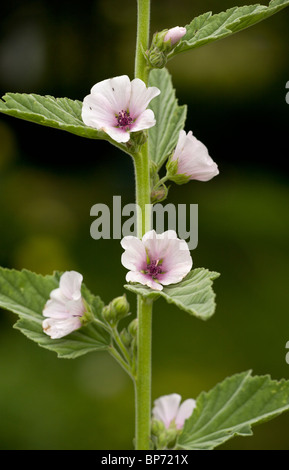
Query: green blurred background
pixel 49 180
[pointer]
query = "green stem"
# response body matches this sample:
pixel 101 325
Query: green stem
pixel 142 40
pixel 143 191
pixel 143 380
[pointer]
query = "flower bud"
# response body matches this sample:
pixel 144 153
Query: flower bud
pixel 171 433
pixel 175 35
pixel 132 328
pixel 125 337
pixel 159 194
pixel 117 309
pixel 120 306
pixel 157 427
pixel 157 59
pixel 162 44
pixel 137 139
pixel 190 161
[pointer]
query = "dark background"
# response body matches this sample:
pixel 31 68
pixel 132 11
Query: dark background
pixel 49 180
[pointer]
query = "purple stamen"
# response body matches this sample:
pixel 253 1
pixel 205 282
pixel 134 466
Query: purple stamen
pixel 124 120
pixel 154 269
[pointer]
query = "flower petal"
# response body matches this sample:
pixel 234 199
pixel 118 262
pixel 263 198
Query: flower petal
pixel 117 134
pixel 97 112
pixel 145 120
pixel 134 257
pixel 185 411
pixel 166 408
pixel 59 328
pixel 55 309
pixel 70 284
pixel 140 97
pixel 116 90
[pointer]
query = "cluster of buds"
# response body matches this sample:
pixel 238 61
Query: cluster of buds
pixel 117 309
pixel 162 44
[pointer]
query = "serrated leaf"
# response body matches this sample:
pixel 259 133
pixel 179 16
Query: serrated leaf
pixel 25 293
pixel 194 294
pixel 170 118
pixel 232 408
pixel 59 113
pixel 208 28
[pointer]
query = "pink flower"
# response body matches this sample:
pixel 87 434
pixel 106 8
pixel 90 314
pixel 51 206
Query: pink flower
pixel 157 259
pixel 193 158
pixel 65 307
pixel 118 106
pixel 168 410
pixel 175 34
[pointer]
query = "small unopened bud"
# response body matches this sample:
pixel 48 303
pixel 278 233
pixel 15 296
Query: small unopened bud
pixel 117 309
pixel 157 59
pixel 132 328
pixel 125 337
pixel 157 427
pixel 159 194
pixel 120 306
pixel 172 433
pixel 137 139
pixel 175 35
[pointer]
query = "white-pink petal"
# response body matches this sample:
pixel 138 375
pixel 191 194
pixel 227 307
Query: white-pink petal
pixel 134 257
pixel 193 158
pixel 185 411
pixel 145 121
pixel 140 97
pixel 116 90
pixel 57 329
pixel 175 34
pixel 70 284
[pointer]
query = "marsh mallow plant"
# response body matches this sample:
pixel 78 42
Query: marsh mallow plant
pixel 141 116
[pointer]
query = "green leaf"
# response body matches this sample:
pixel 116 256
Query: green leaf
pixel 194 294
pixel 59 113
pixel 25 293
pixel 232 408
pixel 208 28
pixel 170 118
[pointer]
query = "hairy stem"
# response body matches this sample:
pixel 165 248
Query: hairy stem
pixel 143 190
pixel 142 40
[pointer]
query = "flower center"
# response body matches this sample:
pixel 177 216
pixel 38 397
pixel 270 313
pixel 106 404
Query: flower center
pixel 154 269
pixel 124 120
